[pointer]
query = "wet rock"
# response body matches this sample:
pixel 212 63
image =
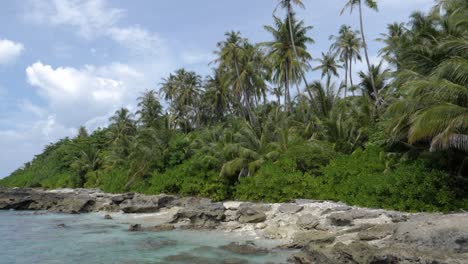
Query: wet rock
pixel 290 208
pixel 134 228
pixel 307 221
pixel 160 228
pixel 189 258
pixel 108 217
pixel 156 244
pixel 376 232
pixel 250 215
pixel 244 249
pixel 61 225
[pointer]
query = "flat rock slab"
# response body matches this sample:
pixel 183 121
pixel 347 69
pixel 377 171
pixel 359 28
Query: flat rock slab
pixel 302 239
pixel 376 232
pixel 290 208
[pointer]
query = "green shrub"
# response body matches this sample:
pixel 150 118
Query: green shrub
pixel 274 183
pixel 365 178
pixel 310 157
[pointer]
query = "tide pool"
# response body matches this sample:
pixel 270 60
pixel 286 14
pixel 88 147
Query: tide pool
pixel 40 237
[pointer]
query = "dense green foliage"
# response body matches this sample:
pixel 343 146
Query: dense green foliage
pixel 399 141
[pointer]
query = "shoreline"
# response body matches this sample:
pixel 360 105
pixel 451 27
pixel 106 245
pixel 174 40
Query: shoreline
pixel 323 231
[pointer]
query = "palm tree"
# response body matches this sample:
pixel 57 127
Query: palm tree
pixel 347 44
pixel 150 110
pixel 328 66
pixel 287 5
pixel 433 82
pixel 183 89
pixel 287 67
pixel 380 80
pixel 236 53
pixel 372 4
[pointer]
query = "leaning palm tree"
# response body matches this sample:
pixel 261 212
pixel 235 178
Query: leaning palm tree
pixel 287 67
pixel 372 4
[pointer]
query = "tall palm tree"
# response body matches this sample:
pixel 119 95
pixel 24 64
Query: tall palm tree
pixel 347 44
pixel 287 67
pixel 372 4
pixel 236 53
pixel 287 5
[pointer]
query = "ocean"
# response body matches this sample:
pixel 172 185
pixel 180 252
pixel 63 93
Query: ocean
pixel 41 237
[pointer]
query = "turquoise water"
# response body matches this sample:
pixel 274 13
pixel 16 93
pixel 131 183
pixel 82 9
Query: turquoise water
pixel 28 237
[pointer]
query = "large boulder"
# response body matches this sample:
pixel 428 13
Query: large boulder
pixel 307 221
pixel 202 216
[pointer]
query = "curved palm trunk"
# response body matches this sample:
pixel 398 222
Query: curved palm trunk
pixel 346 77
pixel 364 45
pixel 287 95
pixel 293 44
pixel 252 118
pixel 351 73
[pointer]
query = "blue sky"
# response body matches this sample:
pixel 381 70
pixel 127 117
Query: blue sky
pixel 66 63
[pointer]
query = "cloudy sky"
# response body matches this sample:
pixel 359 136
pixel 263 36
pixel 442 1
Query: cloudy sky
pixel 66 63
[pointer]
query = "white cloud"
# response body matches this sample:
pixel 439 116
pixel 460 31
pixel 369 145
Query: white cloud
pixel 93 18
pixel 9 51
pixel 76 96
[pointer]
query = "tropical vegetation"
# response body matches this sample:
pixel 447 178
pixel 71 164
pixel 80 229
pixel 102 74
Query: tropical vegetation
pixel 256 129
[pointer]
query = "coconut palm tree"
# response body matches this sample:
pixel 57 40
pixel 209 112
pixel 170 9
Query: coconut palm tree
pixel 287 5
pixel 372 4
pixel 347 44
pixel 287 67
pixel 328 66
pixel 433 83
pixel 150 110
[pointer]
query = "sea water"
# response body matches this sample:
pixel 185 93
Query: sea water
pixel 40 237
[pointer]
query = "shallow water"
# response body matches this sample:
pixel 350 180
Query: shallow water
pixel 28 237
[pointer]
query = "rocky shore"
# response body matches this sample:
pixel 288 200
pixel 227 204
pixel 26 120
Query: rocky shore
pixel 324 232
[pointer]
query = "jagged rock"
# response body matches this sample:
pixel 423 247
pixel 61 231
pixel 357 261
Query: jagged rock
pixel 230 215
pixel 336 209
pixel 146 204
pixel 244 249
pixel 134 228
pixel 250 215
pixel 376 232
pixel 340 219
pixel 307 221
pixel 202 216
pixel 290 208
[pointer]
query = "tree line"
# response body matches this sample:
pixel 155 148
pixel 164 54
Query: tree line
pixel 258 129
